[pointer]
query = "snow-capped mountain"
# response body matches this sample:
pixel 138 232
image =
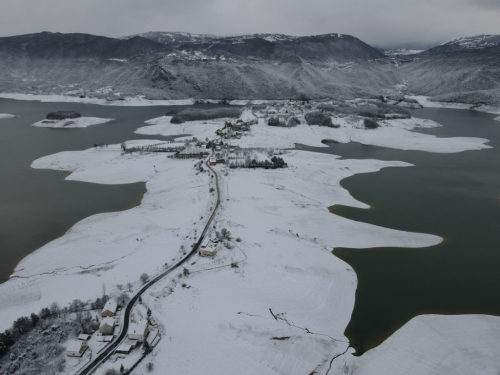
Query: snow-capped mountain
pixel 465 70
pixel 473 42
pixel 174 37
pixel 182 65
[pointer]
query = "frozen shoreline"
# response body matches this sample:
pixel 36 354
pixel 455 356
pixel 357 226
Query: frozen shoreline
pixel 71 123
pixel 424 100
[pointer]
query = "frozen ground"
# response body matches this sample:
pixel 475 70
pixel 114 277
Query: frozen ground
pixel 6 115
pixel 435 345
pixel 392 133
pixel 80 122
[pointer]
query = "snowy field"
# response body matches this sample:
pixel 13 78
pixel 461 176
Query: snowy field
pixel 79 122
pixel 278 302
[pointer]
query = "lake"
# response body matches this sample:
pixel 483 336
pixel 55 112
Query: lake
pixel 37 206
pixel 455 196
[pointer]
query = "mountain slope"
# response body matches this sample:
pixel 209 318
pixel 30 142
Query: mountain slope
pixel 463 70
pixel 270 66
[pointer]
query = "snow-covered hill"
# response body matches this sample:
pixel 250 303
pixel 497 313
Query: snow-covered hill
pixel 182 65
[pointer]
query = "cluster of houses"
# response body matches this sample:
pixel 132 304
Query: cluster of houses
pixel 220 154
pixel 136 334
pixel 234 129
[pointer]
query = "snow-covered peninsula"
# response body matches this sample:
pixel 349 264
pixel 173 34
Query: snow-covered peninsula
pixel 274 300
pixel 7 115
pixel 80 122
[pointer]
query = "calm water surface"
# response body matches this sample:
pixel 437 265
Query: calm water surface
pixel 455 196
pixel 37 206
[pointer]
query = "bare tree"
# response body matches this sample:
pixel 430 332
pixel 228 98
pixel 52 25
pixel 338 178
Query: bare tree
pixel 150 366
pixel 130 286
pixel 144 278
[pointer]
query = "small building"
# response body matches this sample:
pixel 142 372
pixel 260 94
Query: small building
pixel 209 251
pixel 138 331
pixel 124 348
pixel 109 308
pixel 83 337
pixel 213 161
pixel 208 248
pixel 104 338
pixel 107 326
pixel 76 348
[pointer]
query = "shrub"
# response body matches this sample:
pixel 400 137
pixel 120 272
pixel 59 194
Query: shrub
pixel 293 121
pixel 273 121
pixel 370 124
pixel 326 107
pixel 62 115
pixel 318 118
pixel 194 114
pixel 172 112
pixel 144 278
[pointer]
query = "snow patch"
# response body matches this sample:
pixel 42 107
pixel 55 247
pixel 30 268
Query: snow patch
pixel 71 123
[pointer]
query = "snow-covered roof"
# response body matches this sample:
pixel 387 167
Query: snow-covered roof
pixel 138 328
pixel 124 348
pixel 83 336
pixel 108 321
pixel 74 346
pixel 104 338
pixel 111 305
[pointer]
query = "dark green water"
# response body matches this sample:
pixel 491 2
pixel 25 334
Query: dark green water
pixel 37 206
pixel 455 196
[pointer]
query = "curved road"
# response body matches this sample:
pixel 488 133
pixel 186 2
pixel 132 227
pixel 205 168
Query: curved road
pixel 92 366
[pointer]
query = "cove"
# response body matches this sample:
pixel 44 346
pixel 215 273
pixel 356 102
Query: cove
pixel 455 196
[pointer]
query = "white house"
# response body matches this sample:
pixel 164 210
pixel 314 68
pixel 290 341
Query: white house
pixel 109 308
pixel 107 326
pixel 76 348
pixel 138 331
pixel 83 337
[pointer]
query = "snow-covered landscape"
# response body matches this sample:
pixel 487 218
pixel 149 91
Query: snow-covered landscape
pixel 308 189
pixel 273 299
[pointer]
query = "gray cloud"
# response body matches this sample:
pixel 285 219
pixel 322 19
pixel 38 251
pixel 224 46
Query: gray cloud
pixel 378 22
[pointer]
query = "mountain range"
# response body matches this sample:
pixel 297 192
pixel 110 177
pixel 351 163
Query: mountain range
pixel 170 65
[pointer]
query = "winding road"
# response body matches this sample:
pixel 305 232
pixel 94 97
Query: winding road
pixel 94 364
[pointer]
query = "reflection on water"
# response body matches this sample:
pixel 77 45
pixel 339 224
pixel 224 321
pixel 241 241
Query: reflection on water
pixel 454 196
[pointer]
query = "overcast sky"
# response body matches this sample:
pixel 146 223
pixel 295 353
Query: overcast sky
pixel 383 23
